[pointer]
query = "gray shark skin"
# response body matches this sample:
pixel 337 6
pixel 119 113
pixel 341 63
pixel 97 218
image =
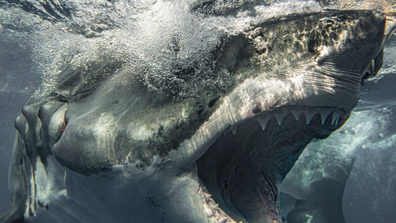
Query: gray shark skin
pixel 110 145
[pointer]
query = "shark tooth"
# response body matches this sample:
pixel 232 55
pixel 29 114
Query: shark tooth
pixel 279 117
pixel 324 114
pixel 233 130
pixel 296 114
pixel 336 116
pixel 309 115
pixel 263 120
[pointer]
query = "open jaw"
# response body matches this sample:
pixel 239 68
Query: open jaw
pixel 242 169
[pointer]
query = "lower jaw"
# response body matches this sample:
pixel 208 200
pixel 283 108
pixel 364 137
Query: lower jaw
pixel 243 168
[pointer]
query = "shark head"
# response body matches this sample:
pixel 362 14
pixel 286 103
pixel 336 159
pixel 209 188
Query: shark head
pixel 211 141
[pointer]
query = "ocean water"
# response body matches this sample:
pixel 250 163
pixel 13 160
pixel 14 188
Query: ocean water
pixel 34 45
pixel 18 81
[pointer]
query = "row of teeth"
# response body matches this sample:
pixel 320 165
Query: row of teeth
pixel 213 210
pixel 309 114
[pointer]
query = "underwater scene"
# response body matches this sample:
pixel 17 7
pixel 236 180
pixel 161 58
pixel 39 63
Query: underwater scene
pixel 198 111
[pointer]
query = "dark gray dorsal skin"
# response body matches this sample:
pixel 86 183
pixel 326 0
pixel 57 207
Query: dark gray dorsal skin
pixel 103 147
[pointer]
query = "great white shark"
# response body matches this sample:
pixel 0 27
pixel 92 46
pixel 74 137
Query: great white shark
pixel 110 145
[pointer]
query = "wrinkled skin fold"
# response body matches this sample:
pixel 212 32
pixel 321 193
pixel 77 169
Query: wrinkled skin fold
pixel 104 147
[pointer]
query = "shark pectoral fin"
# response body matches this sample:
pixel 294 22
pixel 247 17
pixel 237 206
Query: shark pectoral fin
pixel 324 204
pixel 17 185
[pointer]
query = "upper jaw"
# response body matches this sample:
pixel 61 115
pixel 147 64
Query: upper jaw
pixel 252 101
pixel 254 97
pixel 258 104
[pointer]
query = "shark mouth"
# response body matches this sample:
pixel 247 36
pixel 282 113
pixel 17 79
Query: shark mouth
pixel 242 169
